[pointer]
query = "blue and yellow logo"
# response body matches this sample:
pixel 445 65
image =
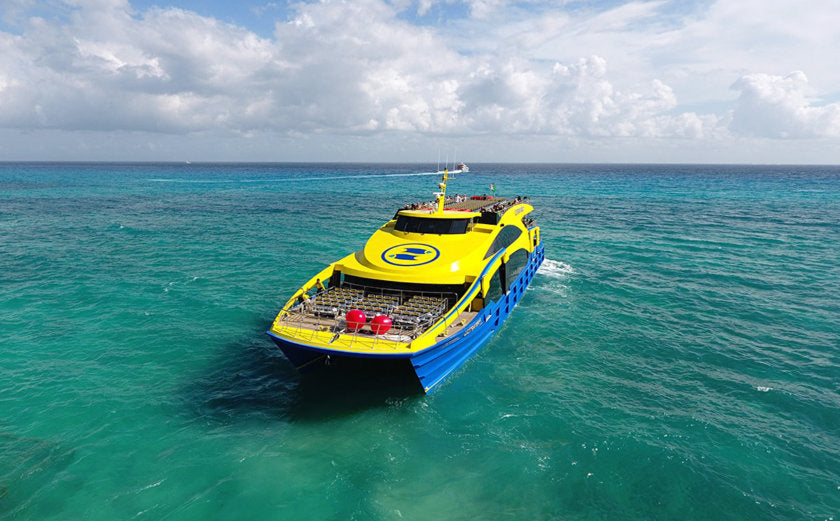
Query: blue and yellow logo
pixel 414 254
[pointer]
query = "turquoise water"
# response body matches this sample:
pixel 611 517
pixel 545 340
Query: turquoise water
pixel 676 357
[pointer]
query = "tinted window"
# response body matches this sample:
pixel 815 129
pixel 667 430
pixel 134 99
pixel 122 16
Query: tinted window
pixel 495 289
pixel 506 237
pixel 517 262
pixel 423 225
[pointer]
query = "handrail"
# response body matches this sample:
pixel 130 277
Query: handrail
pixel 294 317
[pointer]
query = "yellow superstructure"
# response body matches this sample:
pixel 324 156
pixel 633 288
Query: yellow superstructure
pixel 398 257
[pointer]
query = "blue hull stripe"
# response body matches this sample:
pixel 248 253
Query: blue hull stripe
pixel 435 363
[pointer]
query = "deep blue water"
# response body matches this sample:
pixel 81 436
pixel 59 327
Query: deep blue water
pixel 675 358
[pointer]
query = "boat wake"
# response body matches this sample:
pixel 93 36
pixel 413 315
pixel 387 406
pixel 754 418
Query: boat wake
pixel 360 176
pixel 287 179
pixel 557 274
pixel 556 269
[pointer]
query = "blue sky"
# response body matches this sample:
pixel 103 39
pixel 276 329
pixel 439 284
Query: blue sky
pixel 258 17
pixel 398 80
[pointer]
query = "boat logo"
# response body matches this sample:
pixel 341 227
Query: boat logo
pixel 414 254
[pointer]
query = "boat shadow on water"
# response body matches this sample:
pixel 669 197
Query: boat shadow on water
pixel 254 379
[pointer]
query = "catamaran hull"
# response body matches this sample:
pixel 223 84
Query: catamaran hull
pixel 434 364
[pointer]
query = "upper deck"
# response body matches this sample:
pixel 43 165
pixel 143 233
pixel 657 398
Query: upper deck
pixel 479 208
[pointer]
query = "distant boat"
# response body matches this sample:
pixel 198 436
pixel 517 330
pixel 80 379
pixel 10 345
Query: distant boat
pixel 428 288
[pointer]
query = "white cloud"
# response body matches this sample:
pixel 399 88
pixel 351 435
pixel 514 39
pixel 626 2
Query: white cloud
pixel 361 68
pixel 778 107
pixel 335 67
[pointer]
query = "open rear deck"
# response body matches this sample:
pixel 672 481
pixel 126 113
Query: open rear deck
pixel 411 314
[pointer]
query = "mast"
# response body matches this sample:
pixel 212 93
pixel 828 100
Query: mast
pixel 442 194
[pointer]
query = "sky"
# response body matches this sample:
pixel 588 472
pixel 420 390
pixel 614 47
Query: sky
pixel 587 81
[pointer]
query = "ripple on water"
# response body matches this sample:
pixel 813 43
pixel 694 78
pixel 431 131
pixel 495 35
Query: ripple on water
pixel 678 344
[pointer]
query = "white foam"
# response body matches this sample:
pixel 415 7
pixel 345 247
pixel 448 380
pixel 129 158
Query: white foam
pixel 763 389
pixel 153 485
pixel 289 179
pixel 556 269
pixel 335 178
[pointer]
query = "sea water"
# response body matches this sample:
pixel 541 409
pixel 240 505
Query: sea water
pixel 676 357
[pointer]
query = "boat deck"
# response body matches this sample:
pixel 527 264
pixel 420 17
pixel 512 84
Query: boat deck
pixel 411 312
pixel 304 323
pixel 459 324
pixel 473 204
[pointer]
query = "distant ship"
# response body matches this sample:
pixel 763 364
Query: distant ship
pixel 428 288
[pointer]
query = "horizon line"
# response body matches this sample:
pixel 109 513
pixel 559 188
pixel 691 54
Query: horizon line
pixel 298 162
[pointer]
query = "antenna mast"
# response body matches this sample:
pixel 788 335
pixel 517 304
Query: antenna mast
pixel 442 194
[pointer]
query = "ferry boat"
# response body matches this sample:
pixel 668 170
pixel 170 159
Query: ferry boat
pixel 427 290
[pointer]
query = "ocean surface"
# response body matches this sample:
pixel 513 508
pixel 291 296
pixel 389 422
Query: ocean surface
pixel 676 357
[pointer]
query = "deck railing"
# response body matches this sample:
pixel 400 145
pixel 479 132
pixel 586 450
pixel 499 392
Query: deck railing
pixel 411 313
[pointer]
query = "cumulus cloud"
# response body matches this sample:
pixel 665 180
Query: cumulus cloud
pixel 170 71
pixel 333 67
pixel 778 107
pixel 363 67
